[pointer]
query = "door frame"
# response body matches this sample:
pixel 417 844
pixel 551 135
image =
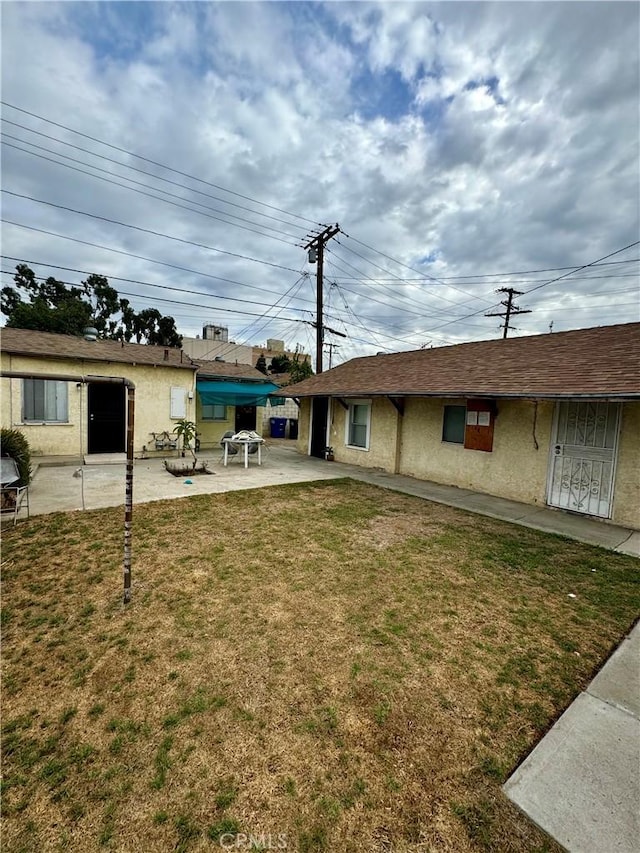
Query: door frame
pixel 326 426
pixel 97 387
pixel 552 456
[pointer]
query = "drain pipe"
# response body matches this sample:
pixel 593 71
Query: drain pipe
pixel 128 492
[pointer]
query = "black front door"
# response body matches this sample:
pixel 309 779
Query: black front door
pixel 106 405
pixel 245 418
pixel 319 426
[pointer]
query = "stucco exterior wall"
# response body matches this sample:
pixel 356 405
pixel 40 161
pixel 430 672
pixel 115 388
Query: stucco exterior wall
pixel 383 431
pixel 210 432
pixel 514 469
pixel 152 402
pixel 626 500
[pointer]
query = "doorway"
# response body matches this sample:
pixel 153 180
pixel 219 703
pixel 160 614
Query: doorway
pixel 319 413
pixel 583 457
pixel 245 418
pixel 107 422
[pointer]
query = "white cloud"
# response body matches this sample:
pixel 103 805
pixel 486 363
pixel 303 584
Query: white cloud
pixel 494 137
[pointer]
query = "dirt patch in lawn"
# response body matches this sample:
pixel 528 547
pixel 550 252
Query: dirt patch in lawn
pixel 327 667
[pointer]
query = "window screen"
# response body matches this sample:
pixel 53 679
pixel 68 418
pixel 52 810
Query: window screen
pixel 453 424
pixel 358 422
pixel 214 413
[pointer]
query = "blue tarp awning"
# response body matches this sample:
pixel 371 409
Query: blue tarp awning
pixel 218 393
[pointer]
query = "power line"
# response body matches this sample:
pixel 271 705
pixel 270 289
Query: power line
pixel 179 302
pixel 160 165
pixel 151 284
pixel 132 168
pixel 142 257
pixel 117 222
pixel 158 197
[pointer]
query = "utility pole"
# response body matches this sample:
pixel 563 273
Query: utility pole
pixel 331 346
pixel 512 310
pixel 316 255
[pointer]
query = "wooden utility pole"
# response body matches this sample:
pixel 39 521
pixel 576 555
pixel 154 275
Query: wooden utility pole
pixel 317 244
pixel 511 309
pixel 331 346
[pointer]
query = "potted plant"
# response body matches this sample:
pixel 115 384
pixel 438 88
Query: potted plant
pixel 328 454
pixel 186 430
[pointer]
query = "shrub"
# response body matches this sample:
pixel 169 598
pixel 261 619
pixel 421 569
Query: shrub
pixel 14 444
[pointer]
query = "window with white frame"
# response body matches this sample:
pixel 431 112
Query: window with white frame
pixel 358 425
pixel 44 400
pixel 214 413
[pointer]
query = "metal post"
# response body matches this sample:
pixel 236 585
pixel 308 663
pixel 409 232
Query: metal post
pixel 128 496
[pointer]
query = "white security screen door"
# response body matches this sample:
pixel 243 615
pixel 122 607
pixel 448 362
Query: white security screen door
pixel 583 457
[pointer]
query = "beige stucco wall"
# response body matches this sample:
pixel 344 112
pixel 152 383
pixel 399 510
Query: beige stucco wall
pixel 626 495
pixel 152 402
pixel 210 432
pixel 514 469
pixel 382 445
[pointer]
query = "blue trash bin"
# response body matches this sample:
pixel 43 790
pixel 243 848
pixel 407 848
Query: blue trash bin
pixel 278 427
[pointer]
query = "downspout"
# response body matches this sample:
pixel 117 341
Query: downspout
pixel 128 493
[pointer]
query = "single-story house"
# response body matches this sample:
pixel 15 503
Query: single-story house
pixel 67 418
pixel 549 419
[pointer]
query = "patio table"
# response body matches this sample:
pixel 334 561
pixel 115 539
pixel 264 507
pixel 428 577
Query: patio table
pixel 245 442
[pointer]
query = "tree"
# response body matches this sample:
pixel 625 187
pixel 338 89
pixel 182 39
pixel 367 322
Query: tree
pixel 280 364
pixel 53 306
pixel 261 364
pixel 300 369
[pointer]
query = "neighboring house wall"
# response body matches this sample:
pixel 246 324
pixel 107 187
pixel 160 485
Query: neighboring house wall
pixel 152 402
pixel 289 411
pixel 202 348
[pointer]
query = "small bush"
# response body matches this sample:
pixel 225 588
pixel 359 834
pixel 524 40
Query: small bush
pixel 14 444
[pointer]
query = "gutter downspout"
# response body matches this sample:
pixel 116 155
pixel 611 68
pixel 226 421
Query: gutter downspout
pixel 128 493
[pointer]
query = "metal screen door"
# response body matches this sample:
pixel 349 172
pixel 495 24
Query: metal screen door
pixel 583 457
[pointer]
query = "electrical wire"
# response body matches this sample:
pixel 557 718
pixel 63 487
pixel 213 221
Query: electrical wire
pixel 132 168
pixel 160 198
pixel 160 165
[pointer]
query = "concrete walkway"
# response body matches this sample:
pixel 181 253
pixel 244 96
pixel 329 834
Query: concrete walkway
pixel 581 783
pixel 74 487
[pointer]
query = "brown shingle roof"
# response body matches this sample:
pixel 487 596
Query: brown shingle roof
pixel 48 345
pixel 604 362
pixel 230 369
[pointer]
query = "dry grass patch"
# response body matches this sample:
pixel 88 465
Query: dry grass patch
pixel 351 668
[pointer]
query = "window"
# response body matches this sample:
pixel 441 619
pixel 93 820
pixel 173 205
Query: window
pixel 214 413
pixel 358 425
pixel 44 400
pixel 277 401
pixel 453 424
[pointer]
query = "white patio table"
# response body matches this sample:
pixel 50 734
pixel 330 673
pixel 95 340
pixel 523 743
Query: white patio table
pixel 244 442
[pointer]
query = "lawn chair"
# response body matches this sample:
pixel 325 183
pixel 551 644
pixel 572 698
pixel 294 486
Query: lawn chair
pixel 12 495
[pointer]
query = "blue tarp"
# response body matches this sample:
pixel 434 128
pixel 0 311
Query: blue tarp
pixel 218 393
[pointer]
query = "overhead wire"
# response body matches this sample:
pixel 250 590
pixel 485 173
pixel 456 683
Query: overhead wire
pixel 160 165
pixel 160 198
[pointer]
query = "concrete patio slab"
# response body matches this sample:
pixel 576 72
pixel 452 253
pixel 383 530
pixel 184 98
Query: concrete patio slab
pixel 581 783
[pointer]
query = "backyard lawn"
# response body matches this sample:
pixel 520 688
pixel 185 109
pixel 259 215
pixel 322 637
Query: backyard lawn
pixel 326 666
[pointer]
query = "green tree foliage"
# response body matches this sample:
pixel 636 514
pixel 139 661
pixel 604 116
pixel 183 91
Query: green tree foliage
pixel 13 443
pixel 300 369
pixel 261 364
pixel 280 364
pixel 52 306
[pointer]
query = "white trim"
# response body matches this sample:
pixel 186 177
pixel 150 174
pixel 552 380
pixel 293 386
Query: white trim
pixel 347 423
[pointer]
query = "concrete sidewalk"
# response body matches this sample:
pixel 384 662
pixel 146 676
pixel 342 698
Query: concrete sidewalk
pixel 66 487
pixel 581 783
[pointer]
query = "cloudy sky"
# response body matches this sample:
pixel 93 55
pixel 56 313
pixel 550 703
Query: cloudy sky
pixel 461 147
